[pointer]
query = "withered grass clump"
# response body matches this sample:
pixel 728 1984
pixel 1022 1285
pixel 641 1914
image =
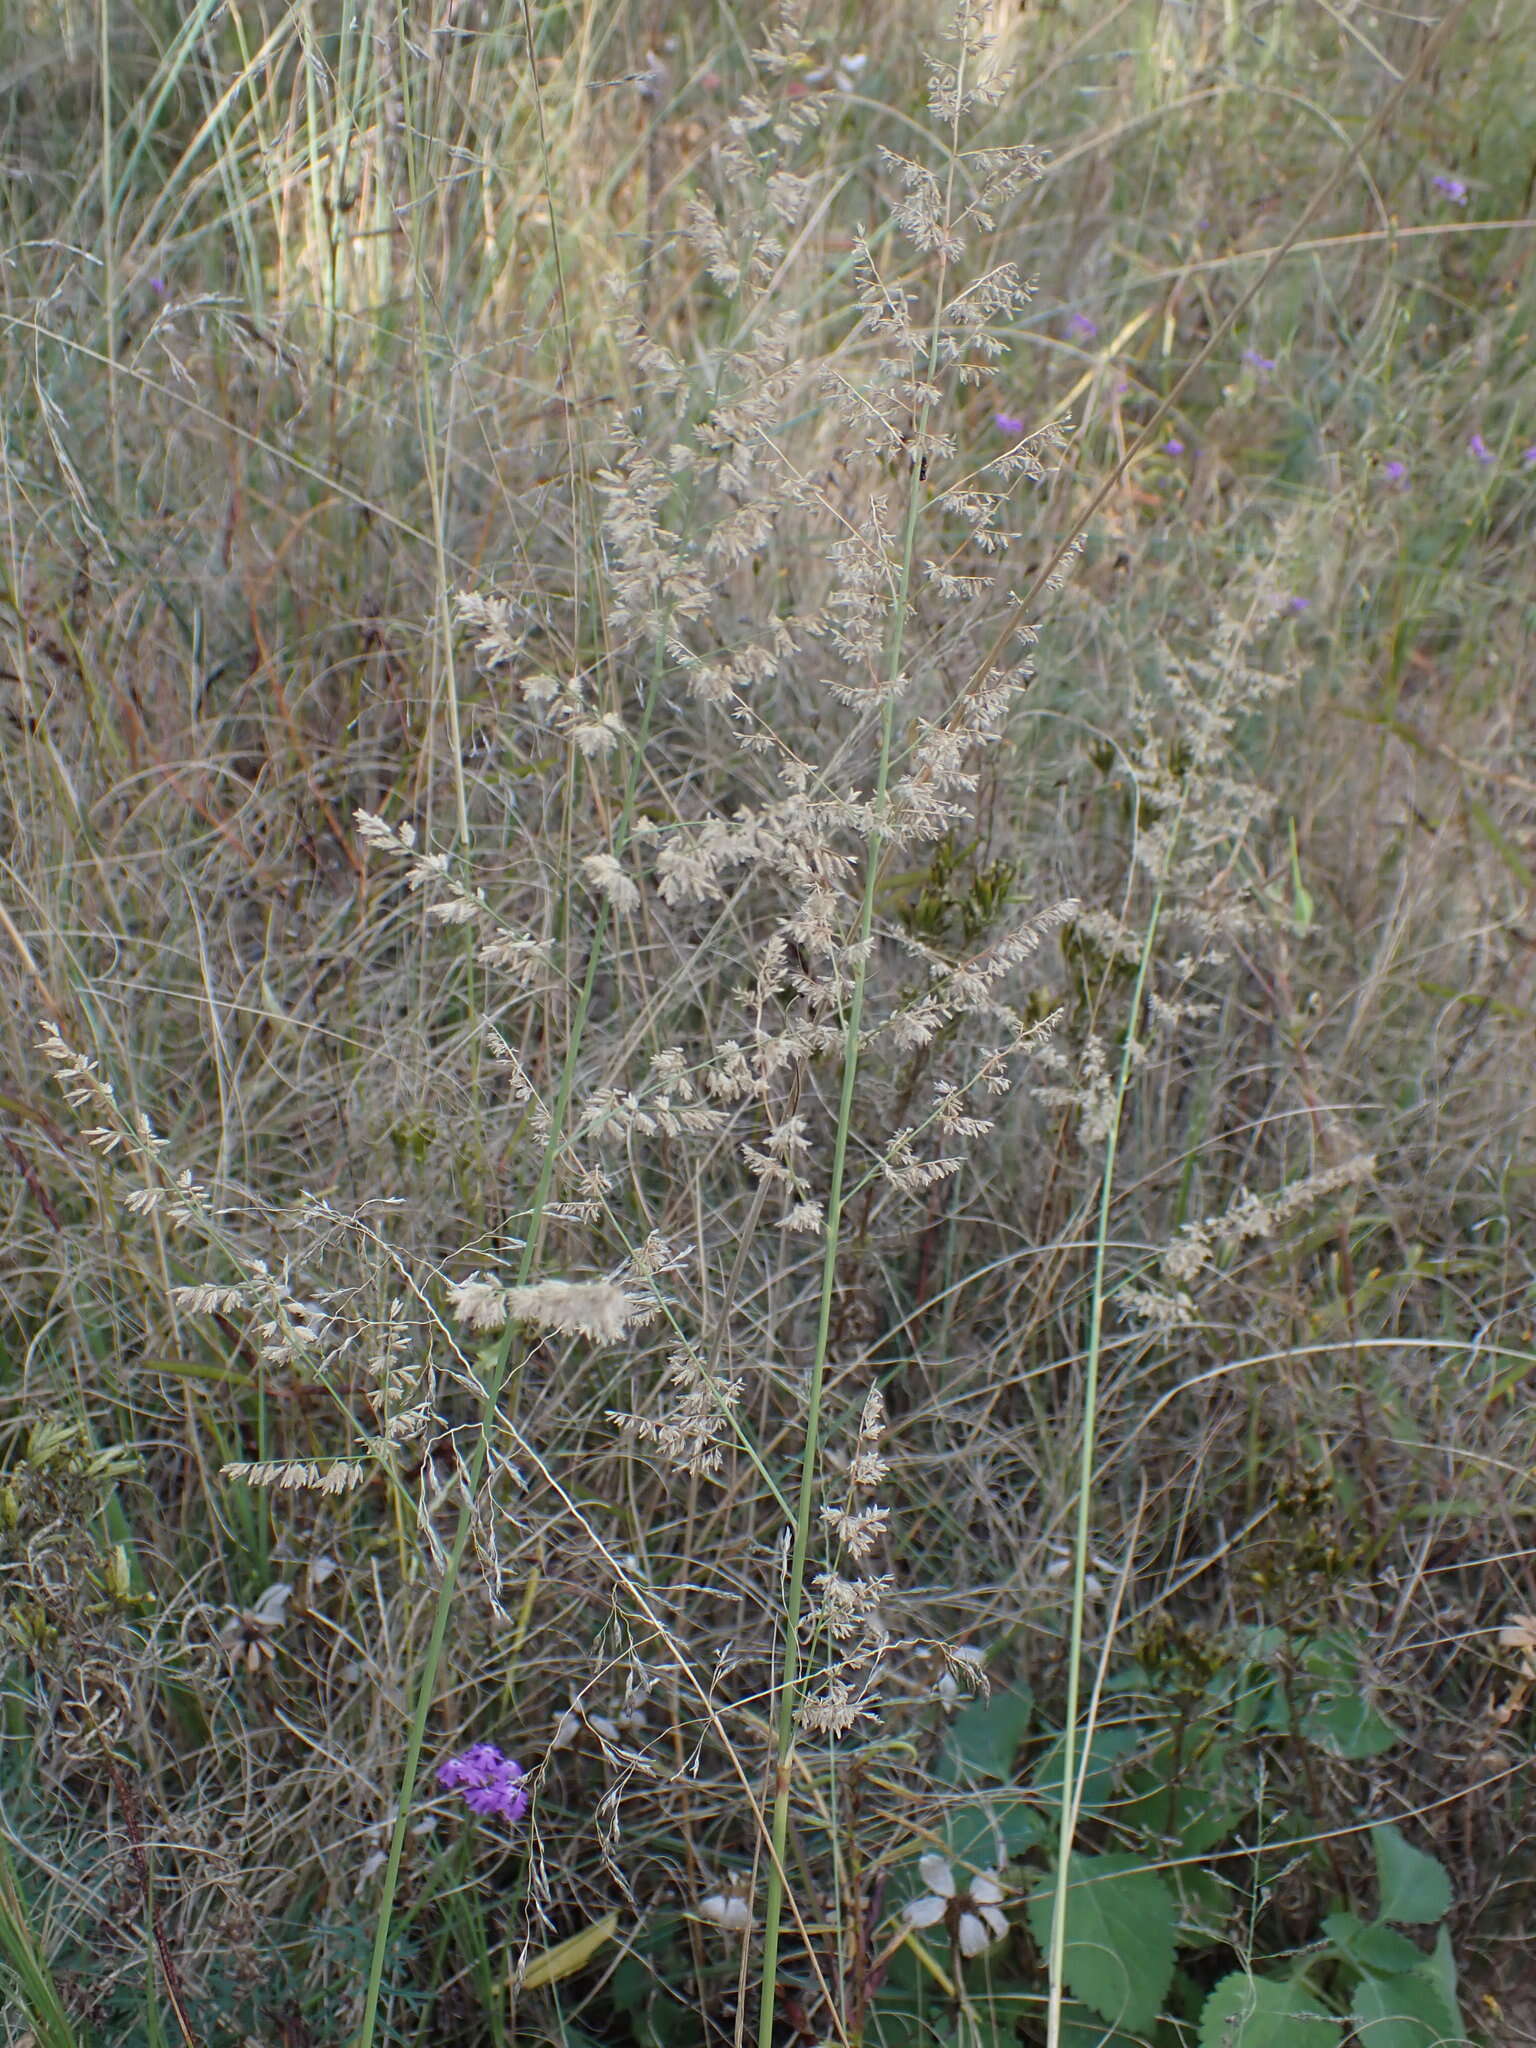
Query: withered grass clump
pixel 765 981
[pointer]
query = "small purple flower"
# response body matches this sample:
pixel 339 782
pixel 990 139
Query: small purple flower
pixel 1082 326
pixel 1454 189
pixel 1478 448
pixel 1528 457
pixel 1173 447
pixel 1298 604
pixel 1008 423
pixel 1395 475
pixel 1263 364
pixel 157 286
pixel 490 1782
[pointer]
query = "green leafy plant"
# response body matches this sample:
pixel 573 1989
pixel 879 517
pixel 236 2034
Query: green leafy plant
pixel 1364 1974
pixel 725 1077
pixel 1158 1926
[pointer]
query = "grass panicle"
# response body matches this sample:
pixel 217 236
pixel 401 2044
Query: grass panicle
pixel 767 842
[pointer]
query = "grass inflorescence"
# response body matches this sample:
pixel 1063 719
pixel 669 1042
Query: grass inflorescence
pixel 768 842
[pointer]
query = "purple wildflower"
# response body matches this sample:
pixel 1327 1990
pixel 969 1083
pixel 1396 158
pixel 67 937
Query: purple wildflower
pixel 1173 447
pixel 1263 364
pixel 1395 474
pixel 1479 448
pixel 1454 189
pixel 1298 604
pixel 1081 325
pixel 1528 456
pixel 1008 423
pixel 490 1782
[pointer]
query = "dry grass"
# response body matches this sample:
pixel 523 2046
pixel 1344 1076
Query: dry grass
pixel 339 486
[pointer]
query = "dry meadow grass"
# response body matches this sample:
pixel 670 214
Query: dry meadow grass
pixel 767 934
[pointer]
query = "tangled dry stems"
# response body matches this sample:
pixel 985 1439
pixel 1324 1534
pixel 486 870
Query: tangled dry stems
pixel 319 1049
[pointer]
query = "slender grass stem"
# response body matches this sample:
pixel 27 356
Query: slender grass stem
pixel 1073 1768
pixel 495 1383
pixel 789 1674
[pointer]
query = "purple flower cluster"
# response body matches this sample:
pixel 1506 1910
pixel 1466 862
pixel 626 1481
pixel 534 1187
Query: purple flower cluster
pixel 1454 189
pixel 490 1782
pixel 1394 474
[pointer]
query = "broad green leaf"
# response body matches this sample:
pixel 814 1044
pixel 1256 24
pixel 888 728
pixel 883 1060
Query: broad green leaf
pixel 1260 1703
pixel 1372 1947
pixel 1210 1819
pixel 899 2025
pixel 906 1985
pixel 1333 1653
pixel 669 2023
pixel 1414 1886
pixel 981 1833
pixel 1333 1710
pixel 1079 2029
pixel 1349 1726
pixel 1265 1643
pixel 1108 1748
pixel 1194 1805
pixel 1265 2012
pixel 983 1739
pixel 1405 2012
pixel 1440 1968
pixel 1119 1936
pixel 982 2026
pixel 1206 1902
pixel 655 1948
pixel 630 1985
